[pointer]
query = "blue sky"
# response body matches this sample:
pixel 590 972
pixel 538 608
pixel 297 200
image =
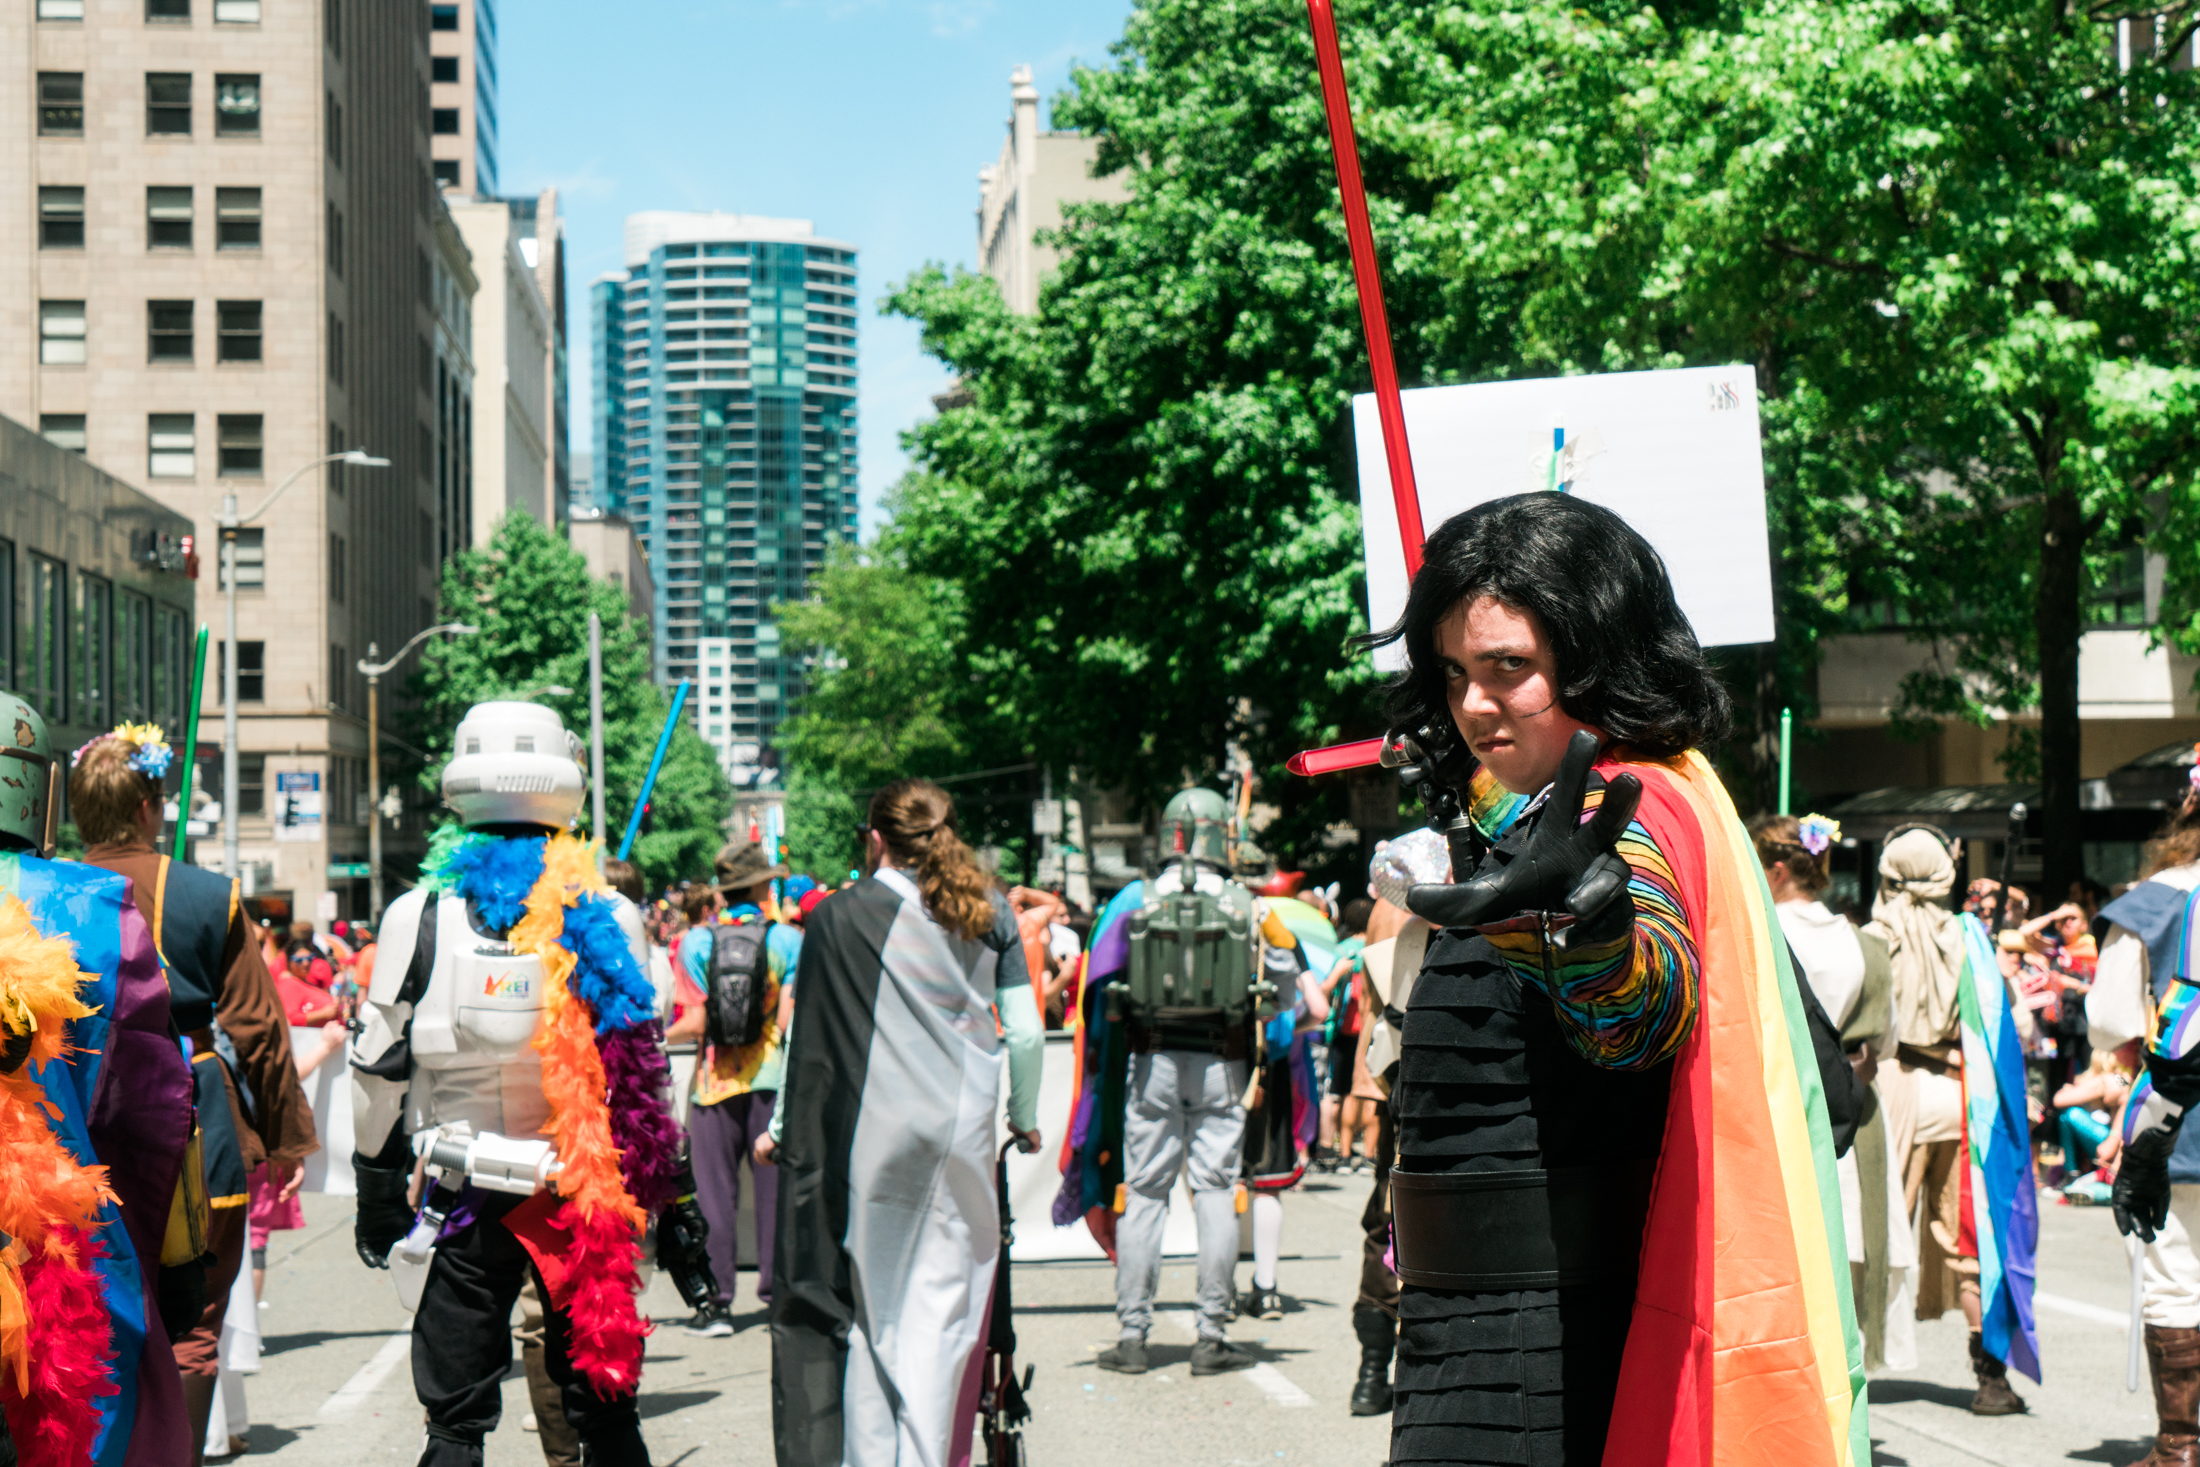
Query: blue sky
pixel 870 117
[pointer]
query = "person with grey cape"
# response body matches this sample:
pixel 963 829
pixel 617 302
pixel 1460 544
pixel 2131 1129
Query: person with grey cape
pixel 885 1135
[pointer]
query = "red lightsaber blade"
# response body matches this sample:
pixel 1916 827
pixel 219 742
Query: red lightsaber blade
pixel 1375 323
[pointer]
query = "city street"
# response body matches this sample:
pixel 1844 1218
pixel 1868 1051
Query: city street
pixel 335 1388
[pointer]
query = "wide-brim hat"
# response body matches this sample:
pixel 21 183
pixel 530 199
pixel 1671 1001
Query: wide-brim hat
pixel 745 865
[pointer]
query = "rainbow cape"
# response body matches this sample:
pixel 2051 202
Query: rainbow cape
pixel 1743 1348
pixel 2005 1210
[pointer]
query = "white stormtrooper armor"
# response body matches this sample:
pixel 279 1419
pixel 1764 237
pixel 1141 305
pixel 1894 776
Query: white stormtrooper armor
pixel 471 1066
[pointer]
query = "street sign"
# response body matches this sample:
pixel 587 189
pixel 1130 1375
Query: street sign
pixel 1046 817
pixel 348 870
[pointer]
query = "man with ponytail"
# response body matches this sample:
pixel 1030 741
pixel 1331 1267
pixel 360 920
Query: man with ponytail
pixel 915 998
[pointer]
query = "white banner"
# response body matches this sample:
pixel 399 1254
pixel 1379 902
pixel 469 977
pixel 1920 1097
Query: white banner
pixel 1676 454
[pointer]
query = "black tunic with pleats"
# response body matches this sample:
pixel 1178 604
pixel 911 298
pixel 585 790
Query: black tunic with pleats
pixel 1486 1082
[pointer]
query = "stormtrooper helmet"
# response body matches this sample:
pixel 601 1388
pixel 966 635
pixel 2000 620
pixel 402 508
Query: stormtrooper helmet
pixel 514 764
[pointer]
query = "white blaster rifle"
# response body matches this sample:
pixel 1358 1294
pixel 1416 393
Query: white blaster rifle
pixel 454 1156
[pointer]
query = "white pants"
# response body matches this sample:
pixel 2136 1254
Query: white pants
pixel 1186 1115
pixel 2172 1272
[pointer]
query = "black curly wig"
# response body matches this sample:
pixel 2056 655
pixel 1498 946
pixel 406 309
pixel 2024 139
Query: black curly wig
pixel 1628 662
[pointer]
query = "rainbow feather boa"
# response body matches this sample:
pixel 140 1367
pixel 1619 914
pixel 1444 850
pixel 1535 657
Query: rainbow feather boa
pixel 603 1072
pixel 56 1346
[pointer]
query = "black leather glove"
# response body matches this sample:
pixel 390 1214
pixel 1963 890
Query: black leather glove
pixel 385 1217
pixel 1565 870
pixel 181 1293
pixel 2140 1197
pixel 683 1251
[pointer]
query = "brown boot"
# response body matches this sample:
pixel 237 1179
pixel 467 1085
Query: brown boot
pixel 1994 1397
pixel 2173 1359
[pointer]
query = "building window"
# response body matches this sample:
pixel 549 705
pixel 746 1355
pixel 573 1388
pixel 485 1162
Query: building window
pixel 237 106
pixel 171 447
pixel 339 676
pixel 336 241
pixel 167 9
pixel 335 471
pixel 237 218
pixel 334 115
pixel 60 9
pixel 442 17
pixel 446 172
pixel 168 103
pixel 171 670
pixel 95 609
pixel 251 688
pixel 61 333
pixel 239 445
pixel 7 607
pixel 42 660
pixel 335 348
pixel 60 217
pixel 251 768
pixel 2118 597
pixel 62 430
pixel 444 121
pixel 443 68
pixel 236 12
pixel 251 559
pixel 134 658
pixel 168 331
pixel 336 569
pixel 167 218
pixel 61 101
pixel 237 331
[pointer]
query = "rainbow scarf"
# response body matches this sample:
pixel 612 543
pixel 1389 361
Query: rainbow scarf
pixel 602 1072
pixel 2005 1210
pixel 1743 1348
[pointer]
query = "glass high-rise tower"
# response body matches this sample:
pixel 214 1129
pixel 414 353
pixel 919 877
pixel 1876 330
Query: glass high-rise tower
pixel 724 365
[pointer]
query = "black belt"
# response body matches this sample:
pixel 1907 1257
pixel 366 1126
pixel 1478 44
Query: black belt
pixel 1486 1232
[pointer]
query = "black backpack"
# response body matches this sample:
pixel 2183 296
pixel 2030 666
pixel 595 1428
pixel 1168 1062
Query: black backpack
pixel 733 1000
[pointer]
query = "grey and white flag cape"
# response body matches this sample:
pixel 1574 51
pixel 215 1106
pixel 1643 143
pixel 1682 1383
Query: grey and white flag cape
pixel 889 1224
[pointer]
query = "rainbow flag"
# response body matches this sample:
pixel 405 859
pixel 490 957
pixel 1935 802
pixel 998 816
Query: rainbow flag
pixel 2005 1208
pixel 1743 1349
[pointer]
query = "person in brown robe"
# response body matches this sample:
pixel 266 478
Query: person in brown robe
pixel 251 1105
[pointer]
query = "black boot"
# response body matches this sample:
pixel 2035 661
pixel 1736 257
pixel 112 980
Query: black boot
pixel 1378 1334
pixel 1994 1397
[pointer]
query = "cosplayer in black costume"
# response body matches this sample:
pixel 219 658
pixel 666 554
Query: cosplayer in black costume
pixel 1487 1080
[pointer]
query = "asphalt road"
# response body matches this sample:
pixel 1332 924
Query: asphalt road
pixel 335 1385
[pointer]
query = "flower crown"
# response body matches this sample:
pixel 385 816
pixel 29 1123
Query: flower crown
pixel 1818 833
pixel 149 751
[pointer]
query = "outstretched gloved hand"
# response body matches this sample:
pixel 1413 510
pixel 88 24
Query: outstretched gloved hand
pixel 683 1250
pixel 1566 871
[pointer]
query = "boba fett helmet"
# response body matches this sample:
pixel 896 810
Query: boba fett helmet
pixel 1196 823
pixel 26 777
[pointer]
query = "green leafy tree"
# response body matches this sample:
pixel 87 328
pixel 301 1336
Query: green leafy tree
pixel 1954 242
pixel 530 593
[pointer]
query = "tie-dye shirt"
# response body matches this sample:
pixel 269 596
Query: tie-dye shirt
pixel 1626 1002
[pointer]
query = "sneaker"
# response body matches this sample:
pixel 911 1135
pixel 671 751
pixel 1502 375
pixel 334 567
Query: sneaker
pixel 711 1322
pixel 1264 1304
pixel 1214 1357
pixel 1126 1357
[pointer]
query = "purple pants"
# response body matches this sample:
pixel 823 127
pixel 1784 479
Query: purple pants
pixel 721 1138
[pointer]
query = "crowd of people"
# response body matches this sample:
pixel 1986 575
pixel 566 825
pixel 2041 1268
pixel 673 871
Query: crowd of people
pixel 1625 1090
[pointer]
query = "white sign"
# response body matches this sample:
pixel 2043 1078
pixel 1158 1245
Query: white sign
pixel 1676 454
pixel 1046 817
pixel 324 907
pixel 298 805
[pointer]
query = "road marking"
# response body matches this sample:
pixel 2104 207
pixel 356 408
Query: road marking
pixel 369 1377
pixel 1882 1413
pixel 2079 1309
pixel 1273 1383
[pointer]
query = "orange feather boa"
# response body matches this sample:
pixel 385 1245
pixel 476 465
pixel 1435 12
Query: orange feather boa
pixel 600 1281
pixel 56 1345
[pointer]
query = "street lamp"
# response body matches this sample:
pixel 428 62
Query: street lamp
pixel 230 523
pixel 374 671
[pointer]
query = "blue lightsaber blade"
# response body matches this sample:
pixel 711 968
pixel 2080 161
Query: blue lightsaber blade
pixel 656 762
